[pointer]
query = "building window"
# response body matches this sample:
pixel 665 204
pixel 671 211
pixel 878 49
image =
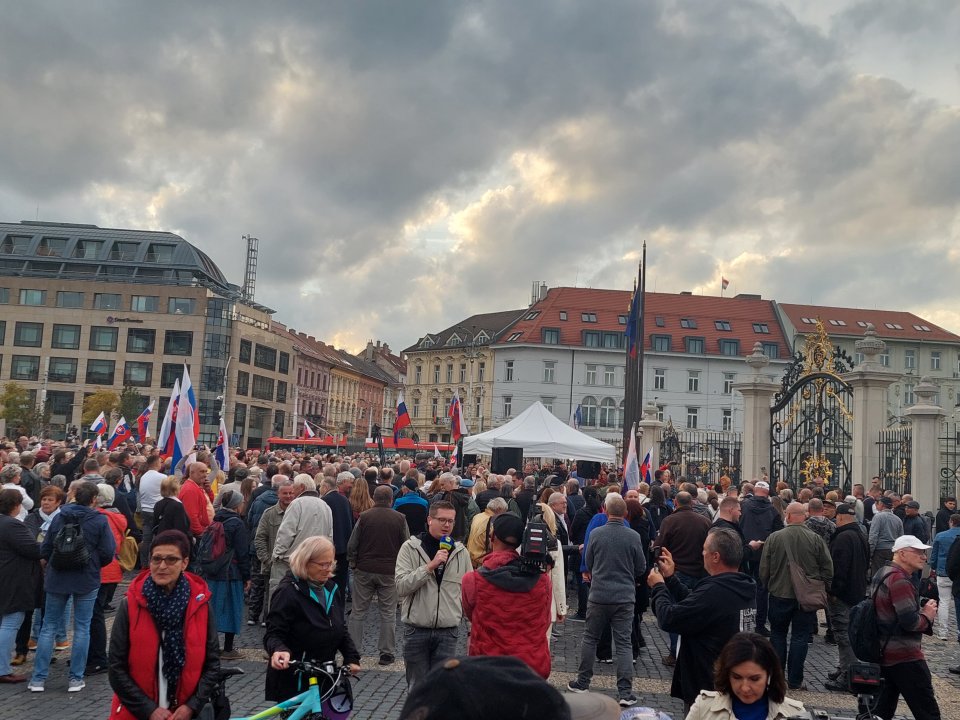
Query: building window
pixel 416 407
pixel 212 380
pixel 33 297
pixel 771 350
pixel 908 397
pixel 434 405
pixel 137 374
pixel 622 319
pixel 726 421
pixel 693 381
pixel 761 328
pixel 549 371
pixel 507 405
pixel 158 253
pixel 25 367
pixel 103 338
pixel 591 375
pixel 69 299
pixel 125 251
pixel 608 413
pixel 87 249
pixel 417 374
pixel 436 374
pixel 281 391
pixel 688 323
pixel 180 306
pixel 265 357
pixel 661 343
pixel 693 417
pixel 140 340
pixel 52 247
pixel 62 370
pixel 246 350
pixel 885 359
pixel 449 373
pixel 177 342
pixel 262 387
pixel 216 345
pixel 609 376
pixel 730 347
pixel 728 379
pixel 551 336
pixel 614 341
pixel 144 303
pixel 106 301
pixel 3 331
pixel 588 411
pixel 508 365
pixel 463 372
pixel 100 372
pixel 591 339
pixel 28 334
pixel 284 366
pixel 723 325
pixel 66 337
pixel 4 296
pixel 660 412
pixel 243 383
pixel 60 403
pixel 935 361
pixel 481 369
pixel 659 379
pixel 910 359
pixel 694 345
pixel 588 317
pixel 170 373
pixel 15 244
pixel 563 314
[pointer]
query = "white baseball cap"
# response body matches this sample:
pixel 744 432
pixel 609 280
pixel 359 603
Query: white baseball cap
pixel 762 485
pixel 905 542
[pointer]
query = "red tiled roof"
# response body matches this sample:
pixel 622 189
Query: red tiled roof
pixel 889 324
pixel 667 308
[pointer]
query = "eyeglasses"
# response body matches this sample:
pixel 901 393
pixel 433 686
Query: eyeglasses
pixel 321 565
pixel 444 521
pixel 165 559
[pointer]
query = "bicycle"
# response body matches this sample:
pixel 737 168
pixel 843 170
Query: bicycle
pixel 334 703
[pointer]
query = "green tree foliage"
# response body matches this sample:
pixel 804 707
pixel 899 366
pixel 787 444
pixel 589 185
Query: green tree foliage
pixel 101 401
pixel 130 405
pixel 21 414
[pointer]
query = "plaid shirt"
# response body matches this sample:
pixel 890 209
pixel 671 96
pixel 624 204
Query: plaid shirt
pixel 898 606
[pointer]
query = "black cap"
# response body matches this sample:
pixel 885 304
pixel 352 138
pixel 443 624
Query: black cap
pixel 410 484
pixel 844 509
pixel 913 505
pixel 478 688
pixel 508 528
pixel 885 501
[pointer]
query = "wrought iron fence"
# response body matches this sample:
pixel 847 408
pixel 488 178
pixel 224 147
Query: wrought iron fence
pixel 702 454
pixel 894 457
pixel 949 458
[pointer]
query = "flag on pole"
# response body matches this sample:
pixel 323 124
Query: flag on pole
pixel 165 438
pixel 99 425
pixel 576 418
pixel 222 452
pixel 724 283
pixel 403 419
pixel 458 424
pixel 187 427
pixel 631 468
pixel 436 452
pixel 646 468
pixel 453 455
pixel 307 432
pixel 633 325
pixel 143 422
pixel 98 443
pixel 121 433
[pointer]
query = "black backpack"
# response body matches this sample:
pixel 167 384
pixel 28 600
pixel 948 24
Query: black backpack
pixel 69 548
pixel 866 638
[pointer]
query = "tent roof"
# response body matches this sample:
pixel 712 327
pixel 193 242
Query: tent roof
pixel 541 434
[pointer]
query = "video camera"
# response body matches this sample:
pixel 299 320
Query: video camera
pixel 864 681
pixel 538 542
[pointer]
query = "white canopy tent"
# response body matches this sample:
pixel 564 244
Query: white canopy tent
pixel 542 435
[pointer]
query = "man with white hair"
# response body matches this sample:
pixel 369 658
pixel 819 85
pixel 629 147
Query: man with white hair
pixel 342 515
pixel 307 516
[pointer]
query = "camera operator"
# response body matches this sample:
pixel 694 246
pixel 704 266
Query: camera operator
pixel 898 606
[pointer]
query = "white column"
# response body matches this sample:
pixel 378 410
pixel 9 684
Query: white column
pixel 925 417
pixel 757 391
pixel 648 435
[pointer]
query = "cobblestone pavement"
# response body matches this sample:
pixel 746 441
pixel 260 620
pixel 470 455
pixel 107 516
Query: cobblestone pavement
pixel 380 692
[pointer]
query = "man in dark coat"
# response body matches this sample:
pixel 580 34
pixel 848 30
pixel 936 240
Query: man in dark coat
pixel 759 519
pixel 850 552
pixel 728 518
pixel 942 523
pixel 342 527
pixel 705 617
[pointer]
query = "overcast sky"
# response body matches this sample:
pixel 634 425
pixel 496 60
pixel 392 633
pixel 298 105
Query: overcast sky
pixel 407 164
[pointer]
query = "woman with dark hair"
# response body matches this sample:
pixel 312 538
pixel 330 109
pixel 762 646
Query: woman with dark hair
pixel 164 656
pixel 639 521
pixel 19 561
pixel 578 531
pixel 657 507
pixel 229 583
pixel 750 684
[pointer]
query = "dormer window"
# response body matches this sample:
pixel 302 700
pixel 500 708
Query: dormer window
pixel 454 340
pixel 427 342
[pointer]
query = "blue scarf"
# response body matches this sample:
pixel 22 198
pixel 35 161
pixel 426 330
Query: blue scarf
pixel 169 611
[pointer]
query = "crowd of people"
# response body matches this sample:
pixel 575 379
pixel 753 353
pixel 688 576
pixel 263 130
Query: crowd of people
pixel 308 546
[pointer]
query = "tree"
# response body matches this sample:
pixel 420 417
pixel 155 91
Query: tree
pixel 101 401
pixel 22 416
pixel 130 405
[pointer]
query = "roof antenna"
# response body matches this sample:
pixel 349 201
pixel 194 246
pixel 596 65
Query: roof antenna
pixel 577 277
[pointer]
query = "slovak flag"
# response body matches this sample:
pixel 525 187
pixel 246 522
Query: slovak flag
pixel 453 455
pixel 307 432
pixel 646 468
pixel 724 283
pixel 222 452
pixel 98 443
pixel 436 452
pixel 99 425
pixel 121 433
pixel 631 468
pixel 187 425
pixel 458 424
pixel 403 419
pixel 165 438
pixel 143 422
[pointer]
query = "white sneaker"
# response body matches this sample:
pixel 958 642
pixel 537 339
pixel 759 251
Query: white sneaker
pixel 35 687
pixel 76 685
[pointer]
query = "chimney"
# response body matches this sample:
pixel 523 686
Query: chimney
pixel 543 290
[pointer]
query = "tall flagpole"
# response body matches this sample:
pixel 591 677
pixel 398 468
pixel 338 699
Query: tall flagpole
pixel 640 331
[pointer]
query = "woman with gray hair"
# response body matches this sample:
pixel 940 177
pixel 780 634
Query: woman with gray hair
pixel 10 476
pixel 227 584
pixel 306 619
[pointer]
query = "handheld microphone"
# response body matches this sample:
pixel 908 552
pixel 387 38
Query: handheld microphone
pixel 446 543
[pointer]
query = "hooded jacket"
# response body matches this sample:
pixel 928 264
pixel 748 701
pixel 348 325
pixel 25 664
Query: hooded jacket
pixel 759 518
pixel 113 573
pixel 705 618
pixel 516 611
pixel 100 544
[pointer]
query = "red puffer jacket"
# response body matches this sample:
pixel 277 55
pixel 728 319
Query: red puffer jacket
pixel 514 611
pixel 113 573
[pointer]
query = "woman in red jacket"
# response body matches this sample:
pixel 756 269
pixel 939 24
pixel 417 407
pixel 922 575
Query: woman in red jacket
pixel 164 655
pixel 110 577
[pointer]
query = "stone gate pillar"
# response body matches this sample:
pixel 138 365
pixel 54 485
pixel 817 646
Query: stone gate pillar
pixel 869 382
pixel 648 434
pixel 925 417
pixel 757 391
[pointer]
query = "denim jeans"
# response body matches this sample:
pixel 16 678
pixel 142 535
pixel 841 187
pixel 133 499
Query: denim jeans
pixel 425 647
pixel 9 625
pixel 82 616
pixel 620 619
pixel 785 615
pixel 61 626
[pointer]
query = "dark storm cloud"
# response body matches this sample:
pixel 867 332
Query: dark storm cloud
pixel 545 140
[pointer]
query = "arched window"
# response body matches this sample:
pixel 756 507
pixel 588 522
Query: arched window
pixel 588 409
pixel 608 413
